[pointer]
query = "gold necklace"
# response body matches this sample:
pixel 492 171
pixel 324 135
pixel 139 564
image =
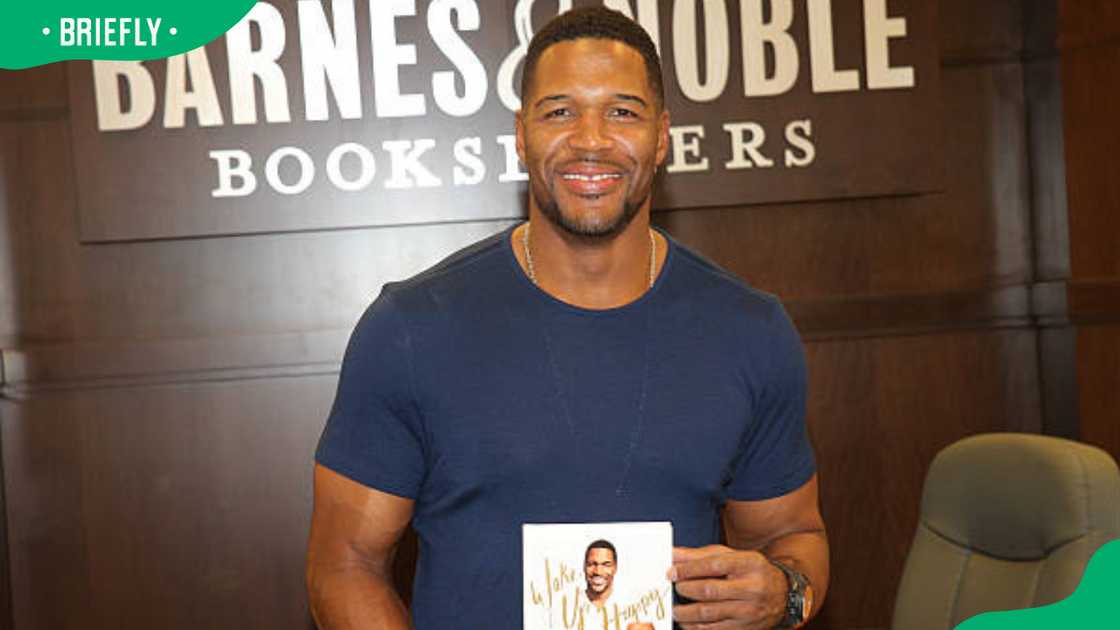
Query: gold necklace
pixel 533 274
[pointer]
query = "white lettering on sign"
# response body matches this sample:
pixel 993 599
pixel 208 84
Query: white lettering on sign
pixel 747 139
pixel 367 167
pixel 686 147
pixel 305 170
pixel 330 60
pixel 202 97
pixel 234 164
pixel 408 171
pixel 717 49
pixel 513 172
pixel 470 170
pixel 879 30
pixel 760 35
pixel 798 135
pixel 352 167
pixel 523 28
pixel 247 65
pixel 388 57
pixel 826 78
pixel 468 64
pixel 108 76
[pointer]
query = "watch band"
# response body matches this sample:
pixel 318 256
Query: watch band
pixel 797 606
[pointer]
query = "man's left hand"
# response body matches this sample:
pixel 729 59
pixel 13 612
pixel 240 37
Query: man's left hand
pixel 731 589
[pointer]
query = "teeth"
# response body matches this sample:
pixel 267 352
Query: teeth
pixel 591 178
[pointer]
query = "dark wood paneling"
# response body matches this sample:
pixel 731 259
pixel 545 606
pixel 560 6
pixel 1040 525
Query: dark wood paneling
pixel 34 93
pixel 976 235
pixel 166 507
pixel 1098 374
pixel 1088 23
pixel 880 411
pixel 980 32
pixel 1090 45
pixel 1092 135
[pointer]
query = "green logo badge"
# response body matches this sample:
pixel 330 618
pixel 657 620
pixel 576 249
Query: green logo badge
pixel 36 33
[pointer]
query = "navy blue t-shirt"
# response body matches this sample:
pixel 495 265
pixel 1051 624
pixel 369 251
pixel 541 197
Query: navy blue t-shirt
pixel 493 404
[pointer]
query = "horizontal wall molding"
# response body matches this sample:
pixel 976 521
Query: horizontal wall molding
pixel 43 368
pixel 131 363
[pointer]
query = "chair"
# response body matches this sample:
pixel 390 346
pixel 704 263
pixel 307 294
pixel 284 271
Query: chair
pixel 1008 521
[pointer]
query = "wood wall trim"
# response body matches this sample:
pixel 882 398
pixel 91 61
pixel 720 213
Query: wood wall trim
pixel 42 368
pixel 892 315
pixel 129 363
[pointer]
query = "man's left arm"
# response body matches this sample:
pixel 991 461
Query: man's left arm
pixel 737 586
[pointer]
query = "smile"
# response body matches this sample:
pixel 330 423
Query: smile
pixel 591 178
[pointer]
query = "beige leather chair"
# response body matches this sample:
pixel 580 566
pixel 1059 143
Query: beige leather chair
pixel 1008 521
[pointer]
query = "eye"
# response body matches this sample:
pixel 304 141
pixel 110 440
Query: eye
pixel 559 112
pixel 623 112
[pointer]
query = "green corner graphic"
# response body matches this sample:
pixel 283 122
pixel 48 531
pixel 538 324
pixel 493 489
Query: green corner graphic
pixel 1088 607
pixel 37 33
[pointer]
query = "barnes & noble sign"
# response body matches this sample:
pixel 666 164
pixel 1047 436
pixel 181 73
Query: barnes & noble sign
pixel 324 114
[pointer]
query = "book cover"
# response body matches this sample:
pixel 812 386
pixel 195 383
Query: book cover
pixel 597 576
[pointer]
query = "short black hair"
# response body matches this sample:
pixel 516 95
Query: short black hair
pixel 596 23
pixel 601 544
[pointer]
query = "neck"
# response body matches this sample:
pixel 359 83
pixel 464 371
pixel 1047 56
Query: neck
pixel 589 272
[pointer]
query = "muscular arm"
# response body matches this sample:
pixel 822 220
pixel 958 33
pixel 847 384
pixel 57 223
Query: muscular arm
pixel 736 586
pixel 788 529
pixel 354 535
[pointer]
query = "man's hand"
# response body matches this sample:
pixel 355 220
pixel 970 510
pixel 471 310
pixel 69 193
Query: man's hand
pixel 731 589
pixel 640 626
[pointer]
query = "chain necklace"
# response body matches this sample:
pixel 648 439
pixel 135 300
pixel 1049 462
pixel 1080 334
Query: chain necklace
pixel 533 274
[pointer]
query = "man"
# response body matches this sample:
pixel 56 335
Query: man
pixel 581 367
pixel 599 565
pixel 600 562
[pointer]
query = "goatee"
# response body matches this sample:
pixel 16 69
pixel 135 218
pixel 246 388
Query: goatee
pixel 587 230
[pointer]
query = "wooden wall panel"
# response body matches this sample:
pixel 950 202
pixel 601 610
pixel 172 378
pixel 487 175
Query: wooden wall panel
pixel 1098 361
pixel 33 93
pixel 974 236
pixel 880 410
pixel 1092 135
pixel 163 507
pixel 1090 53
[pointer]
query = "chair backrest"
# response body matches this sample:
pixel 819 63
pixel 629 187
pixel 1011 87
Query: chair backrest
pixel 1008 521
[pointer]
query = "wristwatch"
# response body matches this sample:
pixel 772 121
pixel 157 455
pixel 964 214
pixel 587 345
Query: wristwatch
pixel 799 600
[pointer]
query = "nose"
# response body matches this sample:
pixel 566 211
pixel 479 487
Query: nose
pixel 590 135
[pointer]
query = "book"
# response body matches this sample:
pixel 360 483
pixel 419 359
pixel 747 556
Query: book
pixel 597 576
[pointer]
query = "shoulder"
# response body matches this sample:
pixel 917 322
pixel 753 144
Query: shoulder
pixel 721 293
pixel 467 271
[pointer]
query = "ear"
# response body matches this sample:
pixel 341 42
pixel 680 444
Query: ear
pixel 663 123
pixel 519 131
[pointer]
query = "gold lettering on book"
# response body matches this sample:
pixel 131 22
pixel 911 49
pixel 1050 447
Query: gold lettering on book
pixel 561 585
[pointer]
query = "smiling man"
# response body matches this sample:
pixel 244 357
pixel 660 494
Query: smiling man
pixel 600 562
pixel 580 367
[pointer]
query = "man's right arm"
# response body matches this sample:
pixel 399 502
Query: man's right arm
pixel 354 534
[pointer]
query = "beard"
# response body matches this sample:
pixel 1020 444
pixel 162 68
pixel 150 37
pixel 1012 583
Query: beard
pixel 586 229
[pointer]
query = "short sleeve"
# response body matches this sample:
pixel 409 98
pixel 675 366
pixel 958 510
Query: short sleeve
pixel 776 456
pixel 374 434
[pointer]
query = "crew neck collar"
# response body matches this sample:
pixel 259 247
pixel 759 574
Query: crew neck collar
pixel 549 299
